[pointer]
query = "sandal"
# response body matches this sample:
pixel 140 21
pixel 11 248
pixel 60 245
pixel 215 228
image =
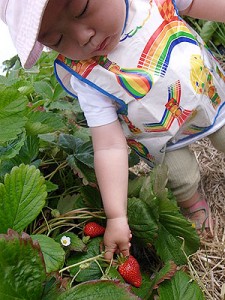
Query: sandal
pixel 200 205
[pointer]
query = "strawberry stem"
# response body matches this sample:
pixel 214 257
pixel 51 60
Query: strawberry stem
pixel 82 262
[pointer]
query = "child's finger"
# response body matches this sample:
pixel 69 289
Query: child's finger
pixel 109 252
pixel 125 252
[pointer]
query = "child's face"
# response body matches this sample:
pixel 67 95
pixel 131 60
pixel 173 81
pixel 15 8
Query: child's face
pixel 81 29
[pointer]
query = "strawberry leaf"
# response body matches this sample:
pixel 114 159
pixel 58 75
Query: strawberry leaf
pixel 82 170
pixel 176 234
pixel 81 149
pixel 12 108
pixel 180 287
pixel 12 148
pixel 143 219
pixel 40 122
pixel 53 253
pixel 92 197
pixel 22 196
pixel 43 88
pixel 166 273
pixel 135 185
pixel 99 290
pixel 144 291
pixel 70 202
pixel 22 269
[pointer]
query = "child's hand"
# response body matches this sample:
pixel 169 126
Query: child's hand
pixel 117 237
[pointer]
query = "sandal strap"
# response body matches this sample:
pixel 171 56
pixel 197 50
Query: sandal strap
pixel 199 205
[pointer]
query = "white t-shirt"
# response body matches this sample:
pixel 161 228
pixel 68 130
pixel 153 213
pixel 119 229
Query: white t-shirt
pixel 98 108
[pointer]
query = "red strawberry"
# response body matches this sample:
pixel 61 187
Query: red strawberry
pixel 130 271
pixel 93 229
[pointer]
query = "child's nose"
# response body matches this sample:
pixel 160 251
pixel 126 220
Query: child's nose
pixel 84 35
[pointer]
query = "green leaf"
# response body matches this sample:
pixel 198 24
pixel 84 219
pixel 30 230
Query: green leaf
pixel 40 122
pixel 166 273
pixel 146 192
pixel 92 197
pixel 5 167
pixel 60 105
pixel 43 88
pixel 92 270
pixel 144 291
pixel 69 143
pixel 53 288
pixel 112 273
pixel 143 219
pixel 180 287
pixel 12 120
pixel 22 270
pixel 51 186
pixel 134 186
pixel 69 202
pixel 82 170
pixel 154 185
pixel 25 149
pixel 81 150
pixel 54 255
pixel 12 101
pixel 22 196
pixel 208 30
pixel 12 148
pixel 99 290
pixel 30 150
pixel 159 179
pixel 175 234
pixel 59 92
pixel 85 154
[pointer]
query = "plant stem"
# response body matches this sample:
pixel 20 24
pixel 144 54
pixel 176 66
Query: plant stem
pixel 82 262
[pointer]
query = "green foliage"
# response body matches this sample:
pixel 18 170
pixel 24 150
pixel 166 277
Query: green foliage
pixel 22 196
pixel 22 270
pixel 12 114
pixel 213 33
pixel 86 271
pixel 180 287
pixel 54 255
pixel 48 192
pixel 99 290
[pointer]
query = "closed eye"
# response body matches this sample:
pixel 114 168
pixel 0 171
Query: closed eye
pixel 58 42
pixel 84 10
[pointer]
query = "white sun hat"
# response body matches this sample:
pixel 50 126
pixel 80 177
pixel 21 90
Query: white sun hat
pixel 23 18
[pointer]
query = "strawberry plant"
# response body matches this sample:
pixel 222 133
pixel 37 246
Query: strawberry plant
pixel 49 196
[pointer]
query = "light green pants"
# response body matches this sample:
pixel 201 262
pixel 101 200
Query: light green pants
pixel 184 174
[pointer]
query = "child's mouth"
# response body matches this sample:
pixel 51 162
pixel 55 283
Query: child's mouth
pixel 103 45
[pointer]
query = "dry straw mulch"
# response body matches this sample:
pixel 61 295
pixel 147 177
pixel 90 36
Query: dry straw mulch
pixel 208 264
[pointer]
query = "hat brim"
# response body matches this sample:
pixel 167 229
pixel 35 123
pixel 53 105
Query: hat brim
pixel 24 20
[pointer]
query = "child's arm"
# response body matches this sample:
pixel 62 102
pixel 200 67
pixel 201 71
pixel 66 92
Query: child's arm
pixel 111 167
pixel 206 9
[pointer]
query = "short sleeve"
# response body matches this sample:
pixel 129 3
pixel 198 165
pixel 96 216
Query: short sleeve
pixel 183 4
pixel 98 108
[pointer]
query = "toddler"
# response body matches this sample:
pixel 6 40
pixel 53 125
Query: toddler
pixel 143 77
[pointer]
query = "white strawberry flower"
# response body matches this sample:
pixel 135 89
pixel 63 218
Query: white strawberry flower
pixel 65 241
